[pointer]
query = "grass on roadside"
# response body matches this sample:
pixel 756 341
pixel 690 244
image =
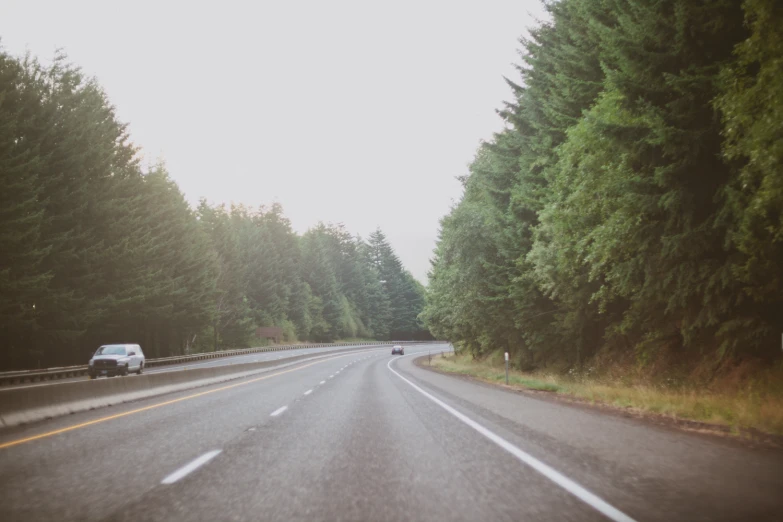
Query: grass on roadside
pixel 464 366
pixel 756 409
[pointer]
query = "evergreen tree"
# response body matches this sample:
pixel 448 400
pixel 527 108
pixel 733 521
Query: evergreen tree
pixel 752 110
pixel 86 150
pixel 319 272
pixel 94 249
pixel 404 296
pixel 608 213
pixel 22 280
pixel 231 322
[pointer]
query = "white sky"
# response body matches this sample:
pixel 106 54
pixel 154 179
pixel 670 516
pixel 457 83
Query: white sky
pixel 360 112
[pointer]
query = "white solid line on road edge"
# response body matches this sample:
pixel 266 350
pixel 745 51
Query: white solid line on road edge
pixel 308 392
pixel 278 411
pixel 189 468
pixel 555 476
pixel 322 382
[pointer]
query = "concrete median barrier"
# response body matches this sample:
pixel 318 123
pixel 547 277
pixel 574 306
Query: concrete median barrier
pixel 37 402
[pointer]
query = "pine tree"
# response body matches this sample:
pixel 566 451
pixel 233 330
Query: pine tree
pixel 230 314
pixel 85 149
pixel 403 293
pixel 22 279
pixel 752 110
pixel 319 272
pixel 657 243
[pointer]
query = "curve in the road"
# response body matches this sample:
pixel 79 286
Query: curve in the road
pixel 555 476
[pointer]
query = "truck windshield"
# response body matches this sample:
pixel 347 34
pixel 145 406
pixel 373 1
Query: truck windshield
pixel 111 350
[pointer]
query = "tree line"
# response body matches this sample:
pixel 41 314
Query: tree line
pixel 632 206
pixel 94 248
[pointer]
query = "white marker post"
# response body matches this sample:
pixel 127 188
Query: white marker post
pixel 506 368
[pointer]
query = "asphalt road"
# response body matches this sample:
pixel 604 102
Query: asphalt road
pixel 222 361
pixel 366 436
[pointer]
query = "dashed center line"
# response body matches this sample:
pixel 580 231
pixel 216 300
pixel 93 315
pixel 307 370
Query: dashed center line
pixel 278 411
pixel 322 382
pixel 189 468
pixel 308 392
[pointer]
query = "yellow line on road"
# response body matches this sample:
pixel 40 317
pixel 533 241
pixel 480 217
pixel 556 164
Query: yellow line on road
pixel 160 404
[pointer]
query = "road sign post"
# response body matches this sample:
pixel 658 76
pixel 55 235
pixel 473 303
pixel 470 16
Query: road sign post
pixel 506 367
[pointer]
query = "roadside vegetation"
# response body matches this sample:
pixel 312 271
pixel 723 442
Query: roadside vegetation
pixel 627 223
pixel 96 248
pixel 753 401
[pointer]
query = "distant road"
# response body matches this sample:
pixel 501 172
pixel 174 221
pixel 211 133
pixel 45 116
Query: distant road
pixel 221 361
pixel 366 436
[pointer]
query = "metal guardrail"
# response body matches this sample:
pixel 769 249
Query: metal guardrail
pixel 22 376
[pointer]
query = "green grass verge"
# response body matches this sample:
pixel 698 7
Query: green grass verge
pixel 488 373
pixel 735 409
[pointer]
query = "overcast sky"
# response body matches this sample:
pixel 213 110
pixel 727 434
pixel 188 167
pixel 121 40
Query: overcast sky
pixel 354 112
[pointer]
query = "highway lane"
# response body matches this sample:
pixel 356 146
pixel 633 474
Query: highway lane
pixel 222 361
pixel 349 439
pixel 86 473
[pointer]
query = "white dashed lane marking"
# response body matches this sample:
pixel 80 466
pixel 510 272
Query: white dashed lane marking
pixel 278 411
pixel 187 469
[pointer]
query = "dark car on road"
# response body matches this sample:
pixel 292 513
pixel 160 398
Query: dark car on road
pixel 116 359
pixel 398 350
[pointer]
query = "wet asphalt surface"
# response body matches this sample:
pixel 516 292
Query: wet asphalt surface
pixel 359 437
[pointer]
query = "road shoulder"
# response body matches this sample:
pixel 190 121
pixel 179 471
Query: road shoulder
pixel 746 437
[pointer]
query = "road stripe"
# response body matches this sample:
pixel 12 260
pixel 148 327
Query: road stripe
pixel 322 382
pixel 278 411
pixel 589 498
pixel 327 358
pixel 308 392
pixel 190 468
pixel 228 361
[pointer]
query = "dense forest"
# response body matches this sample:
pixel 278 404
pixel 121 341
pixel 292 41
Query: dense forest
pixel 631 209
pixel 95 249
